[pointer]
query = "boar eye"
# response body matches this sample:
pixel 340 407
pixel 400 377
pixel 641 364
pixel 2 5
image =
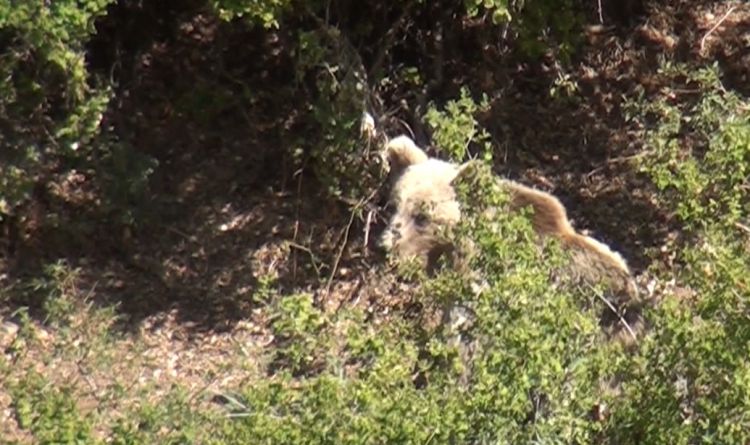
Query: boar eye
pixel 421 219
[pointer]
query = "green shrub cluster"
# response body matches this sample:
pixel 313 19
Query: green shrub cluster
pixel 455 129
pixel 540 25
pixel 699 150
pixel 689 382
pixel 528 366
pixel 330 71
pixel 50 413
pixel 53 414
pixel 50 110
pixel 51 105
pixel 266 13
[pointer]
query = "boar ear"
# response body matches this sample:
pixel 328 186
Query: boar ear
pixel 401 152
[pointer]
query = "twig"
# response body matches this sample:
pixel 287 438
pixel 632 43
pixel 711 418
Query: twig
pixel 713 28
pixel 408 128
pixel 340 253
pixel 616 160
pixel 309 251
pixel 601 17
pixel 355 291
pixel 368 223
pixel 345 240
pixel 429 439
pixel 86 378
pixel 179 232
pixel 197 393
pixel 616 312
pixel 742 227
pixel 297 206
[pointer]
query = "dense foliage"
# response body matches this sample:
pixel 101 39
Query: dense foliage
pixel 50 109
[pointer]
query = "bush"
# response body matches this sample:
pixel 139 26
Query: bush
pixel 49 109
pixel 455 128
pixel 517 355
pixel 50 413
pixel 540 25
pixel 699 151
pixel 529 363
pixel 689 382
pixel 266 13
pixel 331 73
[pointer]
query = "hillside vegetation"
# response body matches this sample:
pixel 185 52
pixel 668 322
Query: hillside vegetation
pixel 189 215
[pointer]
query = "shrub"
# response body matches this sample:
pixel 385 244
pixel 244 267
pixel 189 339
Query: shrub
pixel 530 369
pixel 689 382
pixel 540 25
pixel 266 13
pixel 334 80
pixel 50 413
pixel 455 129
pixel 331 73
pixel 49 109
pixel 699 151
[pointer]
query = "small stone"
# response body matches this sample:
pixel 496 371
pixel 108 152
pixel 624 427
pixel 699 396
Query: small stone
pixel 8 332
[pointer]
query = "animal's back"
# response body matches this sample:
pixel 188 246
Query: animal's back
pixel 594 261
pixel 549 218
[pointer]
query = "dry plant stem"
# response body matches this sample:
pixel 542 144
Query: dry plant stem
pixel 297 206
pixel 200 391
pixel 310 252
pixel 340 253
pixel 713 28
pixel 615 161
pixel 616 312
pixel 742 227
pixel 345 240
pixel 368 223
pixel 87 378
pixel 353 294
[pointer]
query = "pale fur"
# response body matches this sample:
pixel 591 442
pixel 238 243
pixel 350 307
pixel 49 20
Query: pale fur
pixel 402 152
pixel 424 187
